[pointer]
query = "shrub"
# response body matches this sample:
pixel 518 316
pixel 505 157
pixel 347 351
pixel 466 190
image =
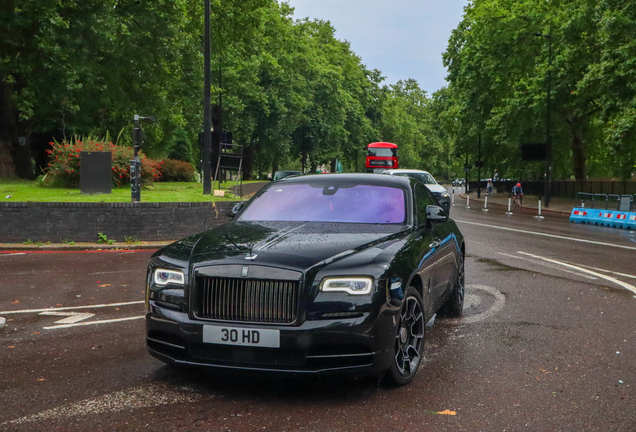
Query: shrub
pixel 181 148
pixel 177 171
pixel 64 163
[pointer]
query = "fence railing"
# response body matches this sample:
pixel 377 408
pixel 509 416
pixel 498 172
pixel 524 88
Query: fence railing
pixel 564 188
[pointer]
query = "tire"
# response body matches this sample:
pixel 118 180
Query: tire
pixel 453 307
pixel 408 347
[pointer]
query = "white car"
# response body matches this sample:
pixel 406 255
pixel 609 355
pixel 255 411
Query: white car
pixel 438 191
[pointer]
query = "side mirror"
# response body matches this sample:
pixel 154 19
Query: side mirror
pixel 234 208
pixel 435 214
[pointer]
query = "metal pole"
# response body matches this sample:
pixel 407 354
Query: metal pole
pixel 509 212
pixel 135 164
pixel 207 109
pixel 548 156
pixel 468 201
pixel 485 204
pixel 221 138
pixel 479 169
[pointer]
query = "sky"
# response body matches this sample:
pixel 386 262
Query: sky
pixel 402 38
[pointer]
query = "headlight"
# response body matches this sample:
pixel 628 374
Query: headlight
pixel 352 286
pixel 164 277
pixel 444 194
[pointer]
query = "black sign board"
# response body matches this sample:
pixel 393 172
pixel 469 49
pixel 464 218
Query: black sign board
pixel 533 152
pixel 96 172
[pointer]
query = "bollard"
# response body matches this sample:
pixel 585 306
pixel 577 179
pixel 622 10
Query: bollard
pixel 453 198
pixel 509 202
pixel 468 201
pixel 485 204
pixel 539 215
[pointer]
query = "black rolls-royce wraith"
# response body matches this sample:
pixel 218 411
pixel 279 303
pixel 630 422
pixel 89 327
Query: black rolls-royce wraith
pixel 315 274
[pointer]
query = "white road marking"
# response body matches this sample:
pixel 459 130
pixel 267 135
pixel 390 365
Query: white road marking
pixel 72 317
pixel 93 323
pixel 13 254
pixel 516 230
pixel 72 307
pixel 550 266
pixel 599 275
pixel 500 301
pixel 145 396
pixel 605 271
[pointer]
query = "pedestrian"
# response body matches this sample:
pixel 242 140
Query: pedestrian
pixel 489 187
pixel 495 177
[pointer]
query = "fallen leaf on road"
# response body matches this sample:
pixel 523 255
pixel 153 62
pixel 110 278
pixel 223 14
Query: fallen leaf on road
pixel 15 302
pixel 59 304
pixel 11 346
pixel 40 379
pixel 542 370
pixel 116 308
pixel 447 412
pixel 537 378
pixel 104 285
pixel 36 332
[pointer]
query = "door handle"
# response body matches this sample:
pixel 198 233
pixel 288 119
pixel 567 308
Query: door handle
pixel 435 244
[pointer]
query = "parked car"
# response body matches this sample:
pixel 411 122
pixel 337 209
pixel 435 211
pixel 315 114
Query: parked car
pixel 439 192
pixel 316 274
pixel 282 174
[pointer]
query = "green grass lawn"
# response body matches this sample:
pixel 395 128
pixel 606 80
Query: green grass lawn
pixel 25 190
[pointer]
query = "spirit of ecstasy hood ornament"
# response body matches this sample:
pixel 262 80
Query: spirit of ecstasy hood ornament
pixel 250 255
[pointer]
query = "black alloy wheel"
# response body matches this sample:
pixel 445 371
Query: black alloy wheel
pixel 453 307
pixel 409 341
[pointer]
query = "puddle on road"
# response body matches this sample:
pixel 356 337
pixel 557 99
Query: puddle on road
pixel 499 266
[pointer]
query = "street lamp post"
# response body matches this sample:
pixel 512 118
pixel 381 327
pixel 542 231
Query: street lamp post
pixel 135 163
pixel 207 108
pixel 548 138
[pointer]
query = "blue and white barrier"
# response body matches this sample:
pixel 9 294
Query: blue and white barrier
pixel 609 218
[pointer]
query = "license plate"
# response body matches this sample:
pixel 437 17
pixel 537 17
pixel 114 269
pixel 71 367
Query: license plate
pixel 241 336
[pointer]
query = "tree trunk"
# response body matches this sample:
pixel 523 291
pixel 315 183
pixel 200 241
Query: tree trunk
pixel 248 166
pixel 579 155
pixel 9 138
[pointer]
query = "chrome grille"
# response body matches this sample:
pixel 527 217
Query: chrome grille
pixel 247 300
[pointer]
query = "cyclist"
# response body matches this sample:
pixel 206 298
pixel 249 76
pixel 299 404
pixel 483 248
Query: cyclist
pixel 517 193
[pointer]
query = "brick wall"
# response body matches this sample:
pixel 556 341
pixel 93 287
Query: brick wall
pixel 55 222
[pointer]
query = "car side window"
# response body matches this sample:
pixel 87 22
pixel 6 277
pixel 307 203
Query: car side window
pixel 423 199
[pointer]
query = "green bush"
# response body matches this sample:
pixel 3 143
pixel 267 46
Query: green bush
pixel 64 163
pixel 177 171
pixel 181 147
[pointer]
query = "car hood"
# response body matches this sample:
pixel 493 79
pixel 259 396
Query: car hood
pixel 293 246
pixel 436 188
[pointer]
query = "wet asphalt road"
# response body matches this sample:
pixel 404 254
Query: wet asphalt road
pixel 548 342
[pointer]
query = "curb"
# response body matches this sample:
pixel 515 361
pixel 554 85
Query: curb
pixel 79 247
pixel 543 210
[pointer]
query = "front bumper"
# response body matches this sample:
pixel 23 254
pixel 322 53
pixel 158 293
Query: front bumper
pixel 361 345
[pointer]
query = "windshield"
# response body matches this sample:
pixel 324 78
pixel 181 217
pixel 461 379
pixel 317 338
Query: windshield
pixel 385 152
pixel 329 203
pixel 425 178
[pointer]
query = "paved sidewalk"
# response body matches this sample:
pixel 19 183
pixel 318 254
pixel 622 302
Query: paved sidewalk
pixel 557 205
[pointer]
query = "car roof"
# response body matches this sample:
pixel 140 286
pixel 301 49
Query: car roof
pixel 378 179
pixel 406 171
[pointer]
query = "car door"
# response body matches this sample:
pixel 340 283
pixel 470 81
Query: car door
pixel 443 249
pixel 447 260
pixel 429 253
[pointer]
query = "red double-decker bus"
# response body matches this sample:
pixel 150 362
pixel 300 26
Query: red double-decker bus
pixel 381 156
